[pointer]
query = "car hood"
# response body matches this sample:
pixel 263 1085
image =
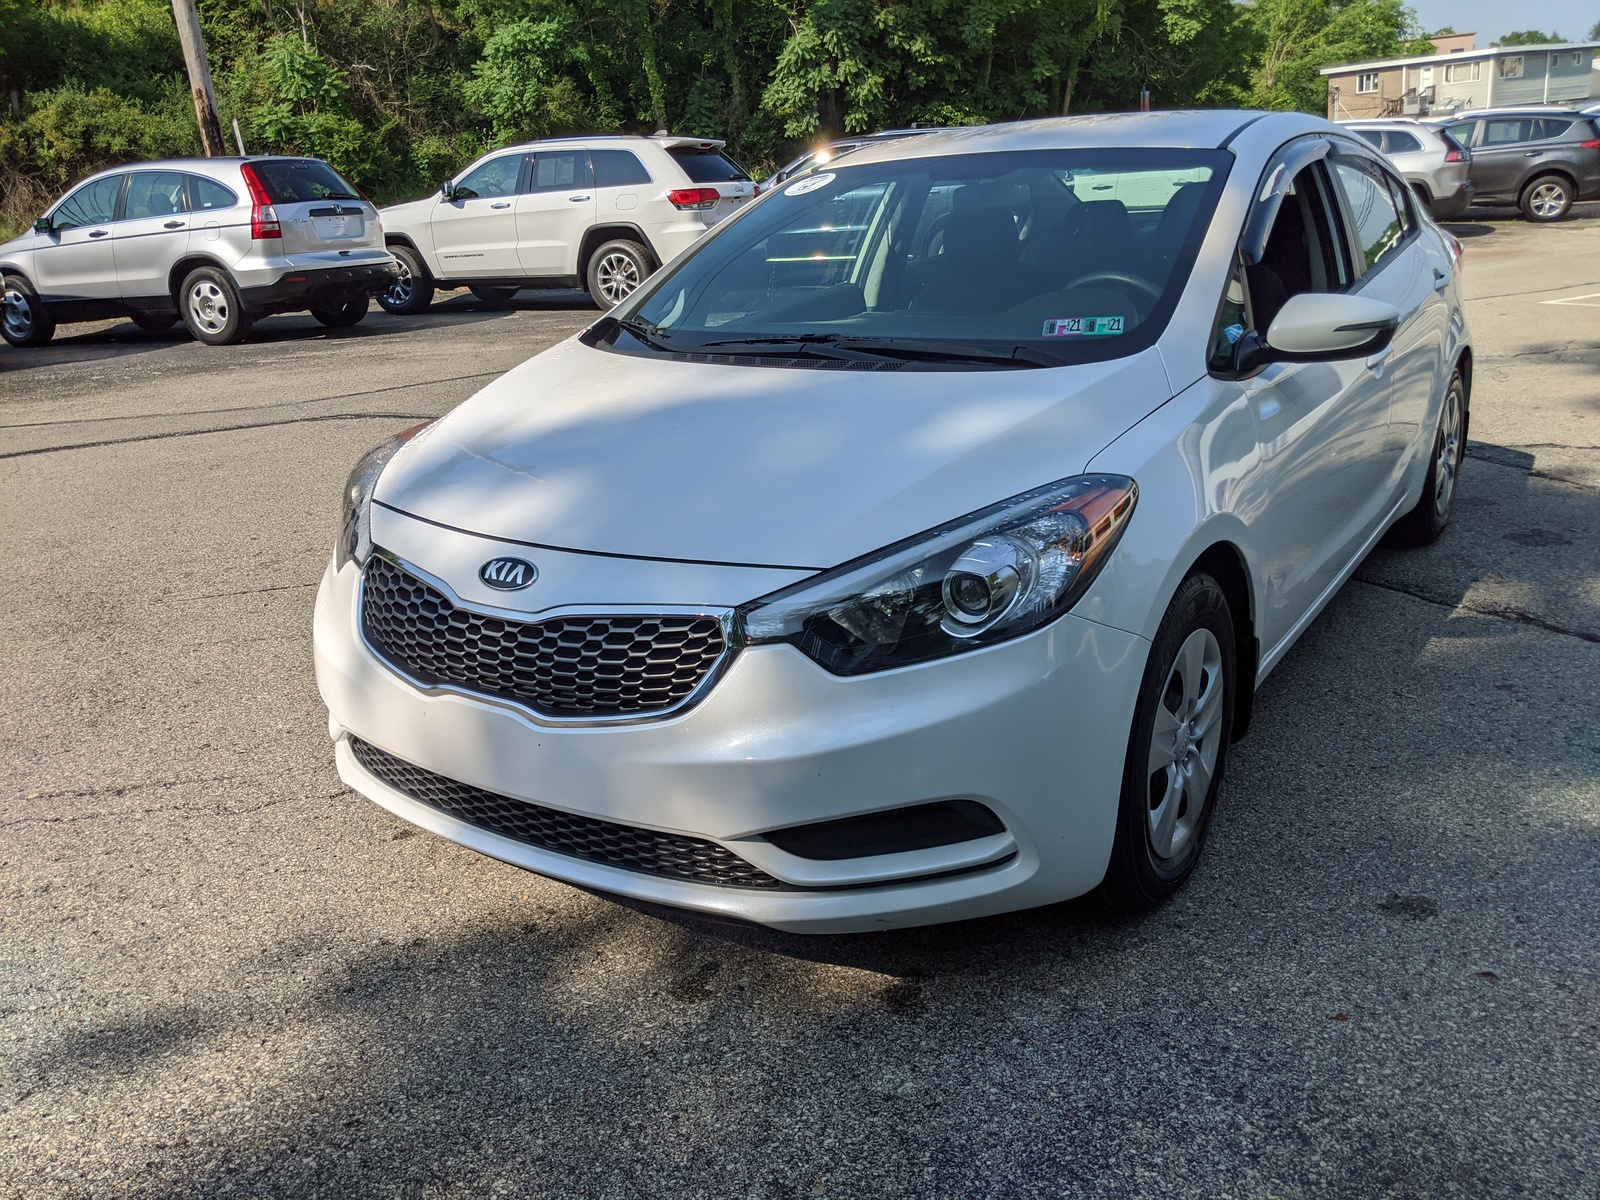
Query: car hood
pixel 587 449
pixel 408 208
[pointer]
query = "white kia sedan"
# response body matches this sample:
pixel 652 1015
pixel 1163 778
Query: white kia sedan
pixel 911 549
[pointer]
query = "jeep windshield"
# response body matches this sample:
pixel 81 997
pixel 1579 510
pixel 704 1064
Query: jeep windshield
pixel 1017 258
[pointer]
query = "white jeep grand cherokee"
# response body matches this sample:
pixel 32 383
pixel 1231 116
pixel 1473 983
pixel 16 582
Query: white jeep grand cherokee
pixel 602 211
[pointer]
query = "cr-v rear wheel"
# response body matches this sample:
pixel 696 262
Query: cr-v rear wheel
pixel 615 269
pixel 211 308
pixel 23 320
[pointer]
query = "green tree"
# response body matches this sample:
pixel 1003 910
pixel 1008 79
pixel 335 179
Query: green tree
pixel 1297 38
pixel 1528 37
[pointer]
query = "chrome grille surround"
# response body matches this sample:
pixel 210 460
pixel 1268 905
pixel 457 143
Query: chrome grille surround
pixel 647 851
pixel 563 667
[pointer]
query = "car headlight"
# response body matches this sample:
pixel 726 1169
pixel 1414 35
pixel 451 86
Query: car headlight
pixel 355 524
pixel 991 575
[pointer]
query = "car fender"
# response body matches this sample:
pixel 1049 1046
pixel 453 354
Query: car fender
pixel 1185 458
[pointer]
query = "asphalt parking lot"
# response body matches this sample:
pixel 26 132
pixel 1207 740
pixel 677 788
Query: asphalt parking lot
pixel 223 974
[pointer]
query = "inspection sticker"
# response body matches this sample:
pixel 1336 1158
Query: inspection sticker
pixel 1082 326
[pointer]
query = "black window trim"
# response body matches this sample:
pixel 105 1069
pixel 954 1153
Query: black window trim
pixel 1359 150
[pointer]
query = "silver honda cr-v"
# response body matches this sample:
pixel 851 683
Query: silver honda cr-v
pixel 218 242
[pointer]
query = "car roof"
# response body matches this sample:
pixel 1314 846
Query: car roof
pixel 1188 129
pixel 1530 110
pixel 667 141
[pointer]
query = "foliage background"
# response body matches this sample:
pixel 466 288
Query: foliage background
pixel 399 93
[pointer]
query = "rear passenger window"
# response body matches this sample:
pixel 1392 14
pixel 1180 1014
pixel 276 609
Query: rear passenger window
pixel 1375 136
pixel 1550 127
pixel 708 166
pixel 207 194
pixel 1506 131
pixel 1377 223
pixel 155 194
pixel 617 168
pixel 1401 142
pixel 559 169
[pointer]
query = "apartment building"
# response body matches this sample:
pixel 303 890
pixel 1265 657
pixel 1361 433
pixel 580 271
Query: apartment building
pixel 1461 77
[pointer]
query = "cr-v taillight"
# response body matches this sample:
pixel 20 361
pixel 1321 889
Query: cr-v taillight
pixel 694 198
pixel 263 217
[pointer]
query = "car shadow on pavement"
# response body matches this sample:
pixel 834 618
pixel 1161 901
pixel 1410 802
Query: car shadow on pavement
pixel 1382 954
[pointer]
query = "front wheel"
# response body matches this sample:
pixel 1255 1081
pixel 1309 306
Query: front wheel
pixel 615 269
pixel 211 308
pixel 412 289
pixel 1548 198
pixel 352 312
pixel 23 320
pixel 1177 750
pixel 1424 523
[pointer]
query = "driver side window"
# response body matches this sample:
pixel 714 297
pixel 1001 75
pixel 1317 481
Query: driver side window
pixel 1305 251
pixel 497 177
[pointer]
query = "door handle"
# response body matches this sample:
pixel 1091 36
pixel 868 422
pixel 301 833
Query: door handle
pixel 501 204
pixel 173 225
pixel 577 199
pixel 1440 279
pixel 98 232
pixel 1532 153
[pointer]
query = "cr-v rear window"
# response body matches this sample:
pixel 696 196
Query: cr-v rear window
pixel 290 180
pixel 707 166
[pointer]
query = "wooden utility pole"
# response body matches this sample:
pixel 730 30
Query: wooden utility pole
pixel 194 57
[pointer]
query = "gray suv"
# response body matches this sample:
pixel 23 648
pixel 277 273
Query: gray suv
pixel 217 242
pixel 1435 165
pixel 1540 159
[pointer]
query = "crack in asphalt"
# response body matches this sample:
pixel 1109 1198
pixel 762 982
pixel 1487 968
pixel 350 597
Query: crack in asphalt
pixel 277 587
pixel 1515 615
pixel 179 433
pixel 204 412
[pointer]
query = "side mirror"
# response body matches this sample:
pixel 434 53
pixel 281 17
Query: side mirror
pixel 43 225
pixel 1320 327
pixel 448 189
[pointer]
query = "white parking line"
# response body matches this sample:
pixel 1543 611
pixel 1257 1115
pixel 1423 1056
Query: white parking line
pixel 1592 300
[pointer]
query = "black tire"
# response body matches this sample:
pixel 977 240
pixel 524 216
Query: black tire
pixel 23 319
pixel 1547 198
pixel 495 295
pixel 1142 872
pixel 412 292
pixel 211 308
pixel 615 269
pixel 152 322
pixel 352 312
pixel 1424 523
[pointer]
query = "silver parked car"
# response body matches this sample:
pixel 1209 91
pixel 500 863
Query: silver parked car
pixel 217 242
pixel 1435 164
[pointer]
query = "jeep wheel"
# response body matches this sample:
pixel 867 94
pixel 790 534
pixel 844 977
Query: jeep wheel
pixel 615 269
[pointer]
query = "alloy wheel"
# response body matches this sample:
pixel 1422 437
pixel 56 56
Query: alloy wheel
pixel 208 305
pixel 399 292
pixel 617 275
pixel 1547 201
pixel 18 313
pixel 1447 464
pixel 1184 743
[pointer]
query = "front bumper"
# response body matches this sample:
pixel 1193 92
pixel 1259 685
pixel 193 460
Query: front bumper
pixel 1035 729
pixel 304 288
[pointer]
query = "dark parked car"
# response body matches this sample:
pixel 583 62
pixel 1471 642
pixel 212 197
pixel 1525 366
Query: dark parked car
pixel 1540 159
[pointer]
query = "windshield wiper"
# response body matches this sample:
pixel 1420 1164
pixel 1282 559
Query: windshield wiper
pixel 917 351
pixel 648 334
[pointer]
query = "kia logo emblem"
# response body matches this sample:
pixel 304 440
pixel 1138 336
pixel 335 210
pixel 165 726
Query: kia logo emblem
pixel 508 574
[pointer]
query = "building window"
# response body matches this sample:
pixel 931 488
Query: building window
pixel 1461 72
pixel 1577 58
pixel 1511 68
pixel 1367 81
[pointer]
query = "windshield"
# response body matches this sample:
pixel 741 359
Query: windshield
pixel 1042 257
